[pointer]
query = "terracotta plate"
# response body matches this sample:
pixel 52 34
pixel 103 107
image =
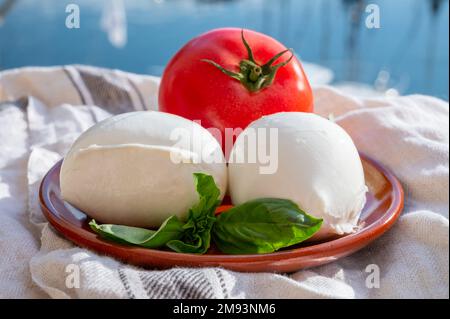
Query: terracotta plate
pixel 384 205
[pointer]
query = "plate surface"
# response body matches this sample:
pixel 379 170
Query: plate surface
pixel 384 205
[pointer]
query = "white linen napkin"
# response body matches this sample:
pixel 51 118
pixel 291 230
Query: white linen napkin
pixel 42 112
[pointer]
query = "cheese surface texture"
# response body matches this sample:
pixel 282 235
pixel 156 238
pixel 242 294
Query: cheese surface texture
pixel 131 169
pixel 318 167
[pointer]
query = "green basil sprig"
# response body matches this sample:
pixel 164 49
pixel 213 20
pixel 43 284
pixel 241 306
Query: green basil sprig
pixel 196 235
pixel 263 226
pixel 192 236
pixel 258 226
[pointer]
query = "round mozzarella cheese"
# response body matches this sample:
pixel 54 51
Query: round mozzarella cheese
pixel 137 168
pixel 316 165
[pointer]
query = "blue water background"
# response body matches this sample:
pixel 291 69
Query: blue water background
pixel 411 48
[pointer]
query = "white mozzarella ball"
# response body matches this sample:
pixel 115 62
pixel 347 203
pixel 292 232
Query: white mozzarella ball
pixel 318 167
pixel 132 169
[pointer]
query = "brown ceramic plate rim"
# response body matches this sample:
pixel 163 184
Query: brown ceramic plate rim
pixel 366 235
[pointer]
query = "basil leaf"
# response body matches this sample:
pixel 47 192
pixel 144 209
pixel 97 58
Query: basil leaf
pixel 263 226
pixel 181 247
pixel 208 196
pixel 196 238
pixel 171 229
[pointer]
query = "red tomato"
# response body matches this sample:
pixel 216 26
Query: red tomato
pixel 225 79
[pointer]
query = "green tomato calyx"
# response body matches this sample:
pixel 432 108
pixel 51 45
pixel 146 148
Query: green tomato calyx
pixel 252 75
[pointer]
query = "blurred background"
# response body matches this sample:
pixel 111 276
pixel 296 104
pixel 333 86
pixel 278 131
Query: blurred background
pixel 408 54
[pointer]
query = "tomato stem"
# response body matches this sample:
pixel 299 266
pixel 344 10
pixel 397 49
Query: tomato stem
pixel 253 76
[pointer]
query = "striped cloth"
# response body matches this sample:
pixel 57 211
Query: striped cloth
pixel 43 110
pixel 58 104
